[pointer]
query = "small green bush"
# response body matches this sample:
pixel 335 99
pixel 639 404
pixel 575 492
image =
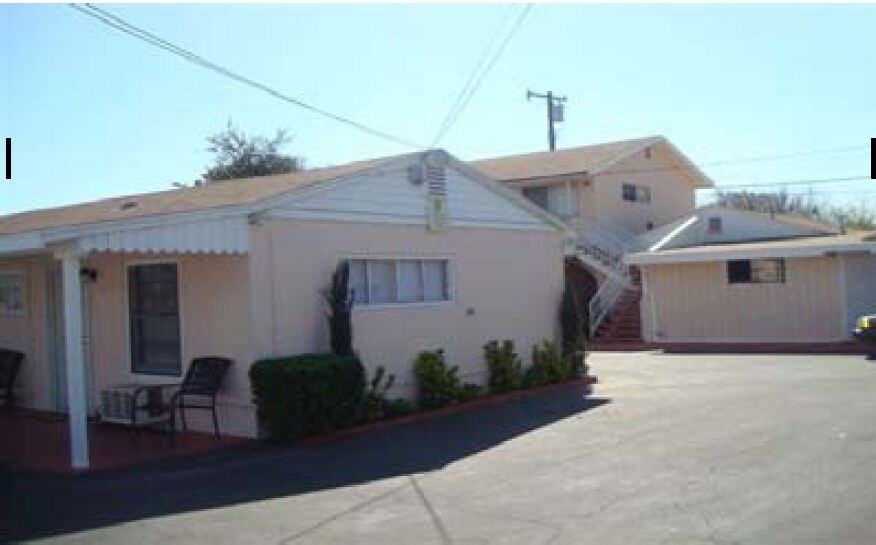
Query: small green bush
pixel 396 408
pixel 300 395
pixel 437 383
pixel 469 391
pixel 548 365
pixel 503 366
pixel 374 405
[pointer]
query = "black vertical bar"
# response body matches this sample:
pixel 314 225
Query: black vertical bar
pixel 552 138
pixel 872 155
pixel 8 158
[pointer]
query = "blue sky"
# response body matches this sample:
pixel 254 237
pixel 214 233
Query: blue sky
pixel 94 113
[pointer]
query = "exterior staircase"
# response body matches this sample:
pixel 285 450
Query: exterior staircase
pixel 622 326
pixel 613 311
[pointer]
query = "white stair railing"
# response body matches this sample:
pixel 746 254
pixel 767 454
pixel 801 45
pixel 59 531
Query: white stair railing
pixel 603 248
pixel 603 301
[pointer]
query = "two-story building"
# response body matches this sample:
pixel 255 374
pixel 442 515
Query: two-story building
pixel 649 266
pixel 610 194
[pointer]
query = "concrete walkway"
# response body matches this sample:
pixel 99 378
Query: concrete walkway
pixel 684 449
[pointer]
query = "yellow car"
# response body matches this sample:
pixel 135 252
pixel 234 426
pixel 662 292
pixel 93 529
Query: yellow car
pixel 865 331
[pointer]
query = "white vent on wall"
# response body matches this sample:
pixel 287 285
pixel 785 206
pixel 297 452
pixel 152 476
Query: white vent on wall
pixel 436 178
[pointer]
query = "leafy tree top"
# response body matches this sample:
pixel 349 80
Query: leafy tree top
pixel 240 156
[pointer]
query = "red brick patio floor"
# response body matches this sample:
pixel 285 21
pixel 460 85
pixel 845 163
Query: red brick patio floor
pixel 39 441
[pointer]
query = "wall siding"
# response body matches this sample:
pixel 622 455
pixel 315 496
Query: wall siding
pixel 388 194
pixel 860 280
pixel 672 192
pixel 27 334
pixel 694 302
pixel 214 312
pixel 510 279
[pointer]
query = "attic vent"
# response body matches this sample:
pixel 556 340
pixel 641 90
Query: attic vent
pixel 436 180
pixel 128 205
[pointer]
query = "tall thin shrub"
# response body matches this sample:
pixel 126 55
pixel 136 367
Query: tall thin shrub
pixel 339 302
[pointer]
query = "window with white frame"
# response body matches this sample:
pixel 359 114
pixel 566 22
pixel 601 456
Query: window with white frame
pixel 399 281
pixel 11 293
pixel 153 310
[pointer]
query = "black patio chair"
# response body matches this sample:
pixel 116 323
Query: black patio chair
pixel 10 363
pixel 198 390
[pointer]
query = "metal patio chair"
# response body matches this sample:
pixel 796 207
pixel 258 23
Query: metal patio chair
pixel 198 391
pixel 10 363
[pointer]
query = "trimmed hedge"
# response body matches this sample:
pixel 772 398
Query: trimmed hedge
pixel 301 395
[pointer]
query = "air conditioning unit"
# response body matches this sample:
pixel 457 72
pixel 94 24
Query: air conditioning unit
pixel 117 404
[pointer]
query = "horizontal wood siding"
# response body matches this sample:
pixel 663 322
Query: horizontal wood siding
pixel 386 194
pixel 860 286
pixel 694 302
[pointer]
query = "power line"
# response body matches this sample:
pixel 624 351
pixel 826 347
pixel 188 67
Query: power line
pixel 454 115
pixel 471 78
pixel 760 158
pixel 836 180
pixel 120 24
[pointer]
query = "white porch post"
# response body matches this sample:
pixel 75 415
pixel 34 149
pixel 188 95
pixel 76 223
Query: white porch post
pixel 77 397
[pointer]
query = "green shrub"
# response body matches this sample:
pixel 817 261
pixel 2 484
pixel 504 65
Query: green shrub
pixel 503 366
pixel 300 395
pixel 469 391
pixel 577 365
pixel 396 408
pixel 572 323
pixel 437 383
pixel 548 365
pixel 339 303
pixel 374 405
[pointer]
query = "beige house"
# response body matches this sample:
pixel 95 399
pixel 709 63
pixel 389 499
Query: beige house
pixel 728 276
pixel 609 195
pixel 653 268
pixel 441 256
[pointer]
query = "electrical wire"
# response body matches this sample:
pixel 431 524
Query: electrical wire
pixel 454 116
pixel 836 180
pixel 760 158
pixel 471 78
pixel 120 24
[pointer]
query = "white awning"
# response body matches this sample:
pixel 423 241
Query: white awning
pixel 218 236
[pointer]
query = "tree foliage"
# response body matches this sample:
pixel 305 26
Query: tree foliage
pixel 238 156
pixel 859 217
pixel 778 202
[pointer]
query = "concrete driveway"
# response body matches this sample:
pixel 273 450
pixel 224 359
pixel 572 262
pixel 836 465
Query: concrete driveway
pixel 684 449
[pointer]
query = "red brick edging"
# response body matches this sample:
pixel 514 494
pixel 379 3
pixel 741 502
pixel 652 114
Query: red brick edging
pixel 847 347
pixel 444 411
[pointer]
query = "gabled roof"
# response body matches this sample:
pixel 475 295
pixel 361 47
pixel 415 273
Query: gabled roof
pixel 690 230
pixel 791 247
pixel 226 199
pixel 590 160
pixel 215 195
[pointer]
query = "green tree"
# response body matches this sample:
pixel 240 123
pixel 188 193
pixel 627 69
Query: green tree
pixel 240 156
pixel 857 217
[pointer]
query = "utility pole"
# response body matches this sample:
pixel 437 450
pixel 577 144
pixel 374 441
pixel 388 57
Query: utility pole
pixel 555 113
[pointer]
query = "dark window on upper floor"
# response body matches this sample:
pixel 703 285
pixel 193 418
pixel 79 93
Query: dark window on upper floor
pixel 538 195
